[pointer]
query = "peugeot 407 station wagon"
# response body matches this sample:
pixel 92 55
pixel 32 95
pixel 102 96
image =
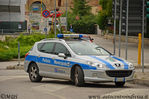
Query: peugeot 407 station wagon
pixel 75 57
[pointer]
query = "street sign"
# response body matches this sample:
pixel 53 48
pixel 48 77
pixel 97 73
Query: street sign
pixel 50 21
pixel 63 21
pixel 45 29
pixel 58 13
pixel 45 13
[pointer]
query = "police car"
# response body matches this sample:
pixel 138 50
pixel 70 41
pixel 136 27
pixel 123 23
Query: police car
pixel 75 57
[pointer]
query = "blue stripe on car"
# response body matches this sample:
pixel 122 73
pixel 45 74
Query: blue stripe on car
pixel 46 60
pixel 103 61
pixel 125 64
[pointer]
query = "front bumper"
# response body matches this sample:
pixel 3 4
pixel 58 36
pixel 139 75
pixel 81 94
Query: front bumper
pixel 102 76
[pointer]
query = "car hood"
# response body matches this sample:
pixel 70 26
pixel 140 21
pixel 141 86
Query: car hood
pixel 111 62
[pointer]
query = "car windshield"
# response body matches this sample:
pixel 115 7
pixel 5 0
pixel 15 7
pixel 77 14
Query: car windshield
pixel 87 48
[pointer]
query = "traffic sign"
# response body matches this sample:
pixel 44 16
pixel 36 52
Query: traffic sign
pixel 45 29
pixel 45 13
pixel 58 13
pixel 63 21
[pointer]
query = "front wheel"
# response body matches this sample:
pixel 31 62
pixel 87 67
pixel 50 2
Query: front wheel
pixel 78 76
pixel 120 84
pixel 34 73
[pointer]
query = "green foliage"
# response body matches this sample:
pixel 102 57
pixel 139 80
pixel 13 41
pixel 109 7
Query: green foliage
pixel 86 21
pixel 9 48
pixel 81 8
pixel 25 40
pixel 105 13
pixel 85 25
pixel 13 53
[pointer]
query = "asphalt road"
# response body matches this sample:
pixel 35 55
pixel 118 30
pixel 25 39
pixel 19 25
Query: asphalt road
pixel 16 82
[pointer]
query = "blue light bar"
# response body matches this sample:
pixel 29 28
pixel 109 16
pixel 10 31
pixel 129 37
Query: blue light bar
pixel 69 35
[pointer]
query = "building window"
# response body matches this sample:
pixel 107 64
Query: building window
pixel 36 6
pixel 59 3
pixel 7 8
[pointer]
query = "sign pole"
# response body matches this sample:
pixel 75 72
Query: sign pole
pixel 46 27
pixel 55 20
pixel 41 7
pixel 66 14
pixel 127 14
pixel 143 36
pixel 18 54
pixel 114 35
pixel 120 27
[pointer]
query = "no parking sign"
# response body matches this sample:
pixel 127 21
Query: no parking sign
pixel 45 13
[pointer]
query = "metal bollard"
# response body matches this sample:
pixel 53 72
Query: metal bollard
pixel 18 54
pixel 139 49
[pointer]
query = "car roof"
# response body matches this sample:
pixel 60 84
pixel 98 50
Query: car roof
pixel 63 40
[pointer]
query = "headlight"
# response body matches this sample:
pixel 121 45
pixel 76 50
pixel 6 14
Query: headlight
pixel 131 66
pixel 98 65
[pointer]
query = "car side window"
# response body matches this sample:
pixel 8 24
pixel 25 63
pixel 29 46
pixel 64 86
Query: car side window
pixel 47 47
pixel 39 45
pixel 60 48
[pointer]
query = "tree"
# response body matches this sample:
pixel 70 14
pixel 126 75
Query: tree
pixel 86 22
pixel 105 14
pixel 80 8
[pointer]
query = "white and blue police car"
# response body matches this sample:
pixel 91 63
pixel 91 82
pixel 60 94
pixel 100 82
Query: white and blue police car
pixel 74 58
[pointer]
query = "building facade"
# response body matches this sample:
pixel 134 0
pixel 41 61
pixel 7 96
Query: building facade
pixel 12 16
pixel 34 10
pixel 18 15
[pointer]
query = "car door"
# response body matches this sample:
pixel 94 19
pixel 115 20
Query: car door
pixel 62 64
pixel 45 58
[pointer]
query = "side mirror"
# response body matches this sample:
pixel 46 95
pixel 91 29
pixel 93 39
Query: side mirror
pixel 62 55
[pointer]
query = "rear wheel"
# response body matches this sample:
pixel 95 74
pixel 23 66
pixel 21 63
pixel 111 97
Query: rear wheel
pixel 120 84
pixel 34 73
pixel 78 76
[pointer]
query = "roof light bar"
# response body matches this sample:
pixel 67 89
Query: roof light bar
pixel 70 35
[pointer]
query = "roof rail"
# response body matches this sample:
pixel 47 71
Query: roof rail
pixel 49 39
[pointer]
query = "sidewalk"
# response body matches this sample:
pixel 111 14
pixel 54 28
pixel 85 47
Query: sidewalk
pixel 4 65
pixel 141 78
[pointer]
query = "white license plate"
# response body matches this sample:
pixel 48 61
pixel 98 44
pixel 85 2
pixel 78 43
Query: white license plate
pixel 119 79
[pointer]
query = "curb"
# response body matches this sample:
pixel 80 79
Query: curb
pixel 131 39
pixel 140 67
pixel 141 82
pixel 21 67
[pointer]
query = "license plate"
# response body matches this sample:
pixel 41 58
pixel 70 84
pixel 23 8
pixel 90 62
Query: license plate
pixel 119 79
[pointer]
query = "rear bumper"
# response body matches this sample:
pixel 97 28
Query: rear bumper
pixel 26 64
pixel 101 76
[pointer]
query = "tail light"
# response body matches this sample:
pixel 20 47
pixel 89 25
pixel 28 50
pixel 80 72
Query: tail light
pixel 26 55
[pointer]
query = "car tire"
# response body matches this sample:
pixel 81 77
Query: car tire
pixel 120 84
pixel 34 73
pixel 78 76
